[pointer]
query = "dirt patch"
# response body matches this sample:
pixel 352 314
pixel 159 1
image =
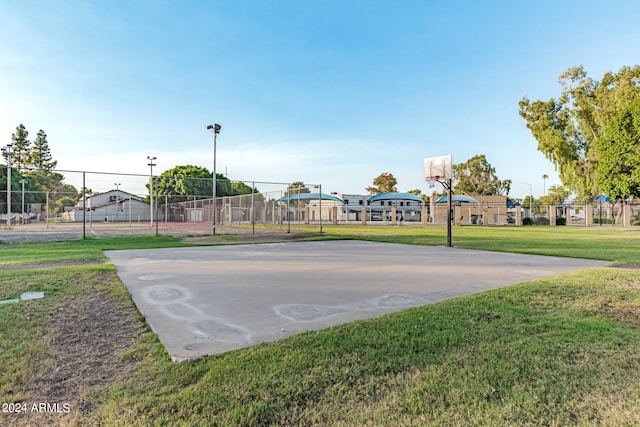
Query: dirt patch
pixel 627 265
pixel 627 314
pixel 88 333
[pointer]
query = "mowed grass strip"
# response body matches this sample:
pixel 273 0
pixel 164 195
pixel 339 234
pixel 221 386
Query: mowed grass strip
pixel 557 351
pixel 604 243
pixel 13 254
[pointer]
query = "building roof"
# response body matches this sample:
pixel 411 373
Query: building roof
pixel 457 198
pixel 395 196
pixel 309 197
pixel 133 196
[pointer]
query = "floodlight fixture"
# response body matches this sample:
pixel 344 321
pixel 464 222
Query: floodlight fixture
pixel 216 128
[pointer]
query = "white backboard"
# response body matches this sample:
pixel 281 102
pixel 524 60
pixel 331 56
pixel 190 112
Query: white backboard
pixel 436 168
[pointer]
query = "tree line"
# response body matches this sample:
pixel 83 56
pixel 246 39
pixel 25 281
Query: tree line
pixel 197 182
pixel 590 133
pixel 33 164
pixel 476 176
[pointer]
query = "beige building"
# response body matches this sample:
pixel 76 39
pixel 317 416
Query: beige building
pixel 484 210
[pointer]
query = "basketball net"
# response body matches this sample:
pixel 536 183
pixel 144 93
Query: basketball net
pixel 432 182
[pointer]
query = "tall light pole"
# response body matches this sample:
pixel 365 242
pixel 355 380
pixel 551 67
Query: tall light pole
pixel 319 187
pixel 117 184
pixel 22 182
pixel 216 130
pixel 8 151
pixel 151 165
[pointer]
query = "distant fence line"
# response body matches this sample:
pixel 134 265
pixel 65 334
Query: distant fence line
pixel 274 209
pixel 123 200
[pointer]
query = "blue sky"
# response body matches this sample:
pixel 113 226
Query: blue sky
pixel 327 92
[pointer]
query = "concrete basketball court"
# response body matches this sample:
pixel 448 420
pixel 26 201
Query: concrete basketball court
pixel 207 300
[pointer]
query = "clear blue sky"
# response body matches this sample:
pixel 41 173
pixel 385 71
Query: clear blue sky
pixel 329 92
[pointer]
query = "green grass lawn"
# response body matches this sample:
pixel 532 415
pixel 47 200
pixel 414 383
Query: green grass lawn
pixel 563 350
pixel 76 250
pixel 605 243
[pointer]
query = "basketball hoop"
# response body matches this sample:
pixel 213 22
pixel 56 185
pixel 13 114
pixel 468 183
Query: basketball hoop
pixel 431 181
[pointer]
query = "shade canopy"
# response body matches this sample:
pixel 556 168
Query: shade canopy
pixel 309 197
pixel 395 196
pixel 603 198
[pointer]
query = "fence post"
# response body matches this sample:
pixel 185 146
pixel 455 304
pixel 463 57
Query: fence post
pixel 552 215
pixel 626 215
pixel 588 215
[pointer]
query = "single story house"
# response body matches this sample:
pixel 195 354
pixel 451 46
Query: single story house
pixel 110 206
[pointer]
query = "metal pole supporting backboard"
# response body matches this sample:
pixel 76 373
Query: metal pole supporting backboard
pixel 449 213
pixel 439 169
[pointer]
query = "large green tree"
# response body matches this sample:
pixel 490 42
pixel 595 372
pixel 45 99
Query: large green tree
pixel 21 147
pixel 567 129
pixel 32 191
pixel 619 148
pixel 383 183
pixel 239 188
pixel 183 182
pixel 476 176
pixel 60 194
pixel 40 157
pixel 296 188
pixel 41 181
pixel 418 193
pixel 556 195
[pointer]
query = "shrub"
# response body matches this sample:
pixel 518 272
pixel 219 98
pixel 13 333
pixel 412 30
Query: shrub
pixel 561 221
pixel 542 221
pixel 596 220
pixel 527 221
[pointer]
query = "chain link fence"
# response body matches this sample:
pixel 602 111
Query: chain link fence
pixel 620 213
pixel 96 204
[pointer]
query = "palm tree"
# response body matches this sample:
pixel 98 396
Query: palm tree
pixel 545 177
